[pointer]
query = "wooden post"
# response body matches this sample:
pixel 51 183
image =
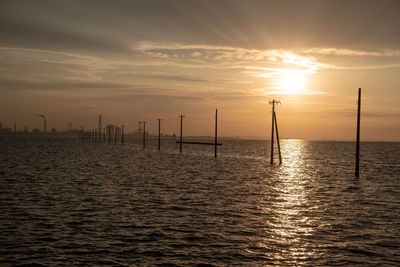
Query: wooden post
pixel 123 135
pixel 144 134
pixel 272 131
pixel 180 136
pixel 104 135
pixel 109 135
pixel 159 134
pixel 277 139
pixel 115 135
pixel 358 134
pixel 216 133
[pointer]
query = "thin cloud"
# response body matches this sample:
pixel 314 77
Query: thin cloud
pixel 348 52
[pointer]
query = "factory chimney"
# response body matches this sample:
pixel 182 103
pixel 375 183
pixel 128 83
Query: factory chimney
pixel 44 122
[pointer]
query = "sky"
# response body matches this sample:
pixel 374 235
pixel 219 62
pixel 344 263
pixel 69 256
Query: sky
pixel 142 60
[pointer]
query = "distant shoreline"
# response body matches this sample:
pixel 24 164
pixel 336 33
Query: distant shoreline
pixel 130 136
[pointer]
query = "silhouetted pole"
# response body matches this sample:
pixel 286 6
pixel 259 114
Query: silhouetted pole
pixel 144 134
pixel 272 131
pixel 159 134
pixel 274 123
pixel 99 128
pixel 104 135
pixel 216 133
pixel 109 135
pixel 277 139
pixel 180 136
pixel 122 134
pixel 358 134
pixel 115 135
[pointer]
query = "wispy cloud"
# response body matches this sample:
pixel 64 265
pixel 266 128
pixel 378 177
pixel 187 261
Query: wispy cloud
pixel 348 52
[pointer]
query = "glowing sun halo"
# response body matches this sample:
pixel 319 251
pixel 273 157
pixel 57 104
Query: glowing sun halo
pixel 291 82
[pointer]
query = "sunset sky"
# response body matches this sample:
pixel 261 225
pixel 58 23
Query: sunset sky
pixel 141 60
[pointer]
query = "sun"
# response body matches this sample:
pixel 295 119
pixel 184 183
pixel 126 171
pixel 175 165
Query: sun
pixel 291 82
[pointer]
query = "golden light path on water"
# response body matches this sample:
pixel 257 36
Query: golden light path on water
pixel 291 223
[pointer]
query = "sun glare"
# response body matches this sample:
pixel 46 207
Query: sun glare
pixel 291 82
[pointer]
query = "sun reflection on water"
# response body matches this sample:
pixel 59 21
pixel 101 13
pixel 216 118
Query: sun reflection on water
pixel 291 223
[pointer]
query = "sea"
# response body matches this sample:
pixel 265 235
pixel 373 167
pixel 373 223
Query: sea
pixel 65 202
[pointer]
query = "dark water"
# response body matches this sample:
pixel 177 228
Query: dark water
pixel 67 203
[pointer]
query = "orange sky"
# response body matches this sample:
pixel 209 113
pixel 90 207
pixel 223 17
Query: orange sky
pixel 142 60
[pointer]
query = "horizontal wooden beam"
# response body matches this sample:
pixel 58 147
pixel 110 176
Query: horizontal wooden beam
pixel 198 143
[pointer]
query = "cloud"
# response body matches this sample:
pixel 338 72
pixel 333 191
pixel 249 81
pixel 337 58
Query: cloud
pixel 348 52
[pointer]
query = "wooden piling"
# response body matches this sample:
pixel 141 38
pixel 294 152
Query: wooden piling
pixel 159 134
pixel 277 139
pixel 216 133
pixel 144 134
pixel 104 135
pixel 115 135
pixel 180 136
pixel 122 134
pixel 272 131
pixel 358 134
pixel 109 135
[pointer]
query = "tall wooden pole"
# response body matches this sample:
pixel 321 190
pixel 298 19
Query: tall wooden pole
pixel 109 135
pixel 180 136
pixel 277 139
pixel 216 133
pixel 272 131
pixel 358 134
pixel 115 135
pixel 159 134
pixel 123 135
pixel 144 134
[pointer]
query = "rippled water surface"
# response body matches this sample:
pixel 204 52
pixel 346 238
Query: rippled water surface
pixel 67 203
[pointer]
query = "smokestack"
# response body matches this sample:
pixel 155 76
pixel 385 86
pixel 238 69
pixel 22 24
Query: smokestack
pixel 44 123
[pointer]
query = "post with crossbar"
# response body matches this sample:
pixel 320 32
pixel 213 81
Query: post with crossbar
pixel 358 134
pixel 274 124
